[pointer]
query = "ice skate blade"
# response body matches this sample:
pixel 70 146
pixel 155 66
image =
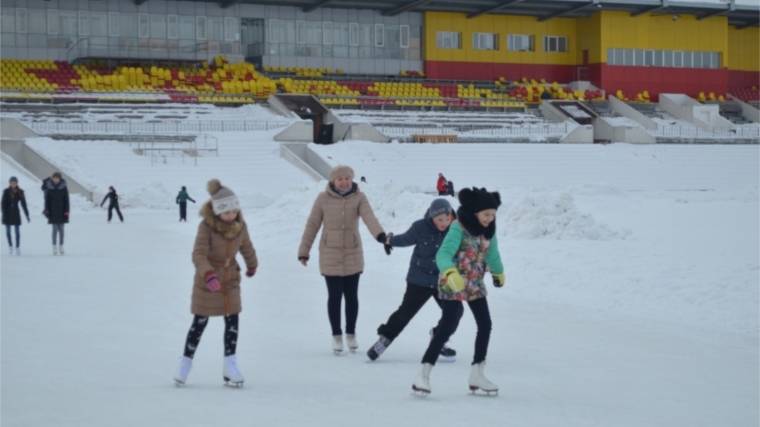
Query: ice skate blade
pixel 421 392
pixel 228 383
pixel 447 359
pixel 178 383
pixel 337 352
pixel 352 350
pixel 474 389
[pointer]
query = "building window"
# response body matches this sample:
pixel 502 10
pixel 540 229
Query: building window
pixel 353 34
pixel 52 23
pixel 200 28
pixel 404 36
pixel 555 44
pixel 379 35
pixel 274 30
pixel 113 24
pixel 448 40
pixel 520 42
pixel 485 41
pixel 143 30
pixel 172 27
pixel 84 25
pixel 21 20
pixel 301 32
pixel 327 33
pixel 678 59
pixel 229 29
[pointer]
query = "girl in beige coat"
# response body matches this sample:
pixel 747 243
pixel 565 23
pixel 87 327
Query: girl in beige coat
pixel 341 259
pixel 216 288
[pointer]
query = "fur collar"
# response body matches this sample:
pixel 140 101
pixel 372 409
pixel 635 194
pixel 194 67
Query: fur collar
pixel 470 223
pixel 229 231
pixel 334 191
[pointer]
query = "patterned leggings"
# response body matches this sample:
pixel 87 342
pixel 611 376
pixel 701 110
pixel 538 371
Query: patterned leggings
pixel 199 325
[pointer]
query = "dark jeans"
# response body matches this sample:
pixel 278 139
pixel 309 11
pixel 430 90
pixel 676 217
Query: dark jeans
pixel 479 308
pixel 414 298
pixel 183 211
pixel 110 211
pixel 199 325
pixel 8 234
pixel 443 193
pixel 339 287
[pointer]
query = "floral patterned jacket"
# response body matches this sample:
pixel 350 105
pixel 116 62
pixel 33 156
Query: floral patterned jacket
pixel 472 256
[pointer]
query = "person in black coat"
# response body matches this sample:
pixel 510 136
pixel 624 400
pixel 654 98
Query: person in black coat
pixel 57 208
pixel 450 189
pixel 113 204
pixel 13 196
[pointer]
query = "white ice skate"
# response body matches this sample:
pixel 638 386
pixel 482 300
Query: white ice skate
pixel 478 381
pixel 55 250
pixel 18 251
pixel 337 344
pixel 351 343
pixel 10 250
pixel 185 364
pixel 232 375
pixel 60 249
pixel 421 384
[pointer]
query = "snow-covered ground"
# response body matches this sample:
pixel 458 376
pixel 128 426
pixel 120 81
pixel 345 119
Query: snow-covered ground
pixel 631 296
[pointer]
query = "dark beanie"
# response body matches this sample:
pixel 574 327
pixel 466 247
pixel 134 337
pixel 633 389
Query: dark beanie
pixel 57 175
pixel 13 179
pixel 479 199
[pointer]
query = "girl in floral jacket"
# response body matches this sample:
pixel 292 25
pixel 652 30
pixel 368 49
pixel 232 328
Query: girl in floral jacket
pixel 469 251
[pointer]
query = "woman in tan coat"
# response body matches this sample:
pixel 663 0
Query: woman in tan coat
pixel 341 259
pixel 216 288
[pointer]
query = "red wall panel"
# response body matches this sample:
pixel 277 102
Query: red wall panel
pixel 743 79
pixel 655 80
pixel 492 71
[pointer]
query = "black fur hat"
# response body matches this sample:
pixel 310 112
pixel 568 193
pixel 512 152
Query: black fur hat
pixel 479 199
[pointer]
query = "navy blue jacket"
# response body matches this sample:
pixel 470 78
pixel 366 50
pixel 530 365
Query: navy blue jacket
pixel 427 240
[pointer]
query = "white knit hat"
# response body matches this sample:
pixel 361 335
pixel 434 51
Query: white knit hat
pixel 340 170
pixel 222 198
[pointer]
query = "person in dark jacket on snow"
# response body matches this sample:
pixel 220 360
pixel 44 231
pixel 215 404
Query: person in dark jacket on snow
pixel 13 196
pixel 182 199
pixel 450 189
pixel 426 235
pixel 57 208
pixel 112 204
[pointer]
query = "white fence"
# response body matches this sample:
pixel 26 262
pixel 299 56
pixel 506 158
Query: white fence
pixel 130 126
pixel 692 132
pixel 477 131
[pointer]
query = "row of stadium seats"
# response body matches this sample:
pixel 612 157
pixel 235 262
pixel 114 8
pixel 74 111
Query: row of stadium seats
pixel 746 94
pixel 424 102
pixel 302 71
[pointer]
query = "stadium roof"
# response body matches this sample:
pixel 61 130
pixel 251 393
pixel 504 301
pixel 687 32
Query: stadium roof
pixel 742 15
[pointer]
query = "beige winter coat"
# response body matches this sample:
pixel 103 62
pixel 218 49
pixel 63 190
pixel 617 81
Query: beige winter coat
pixel 340 247
pixel 216 246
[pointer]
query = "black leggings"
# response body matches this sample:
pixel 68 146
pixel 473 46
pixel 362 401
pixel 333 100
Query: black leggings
pixel 199 325
pixel 110 211
pixel 479 308
pixel 183 211
pixel 339 287
pixel 414 298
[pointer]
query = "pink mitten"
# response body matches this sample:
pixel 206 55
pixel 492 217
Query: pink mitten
pixel 250 272
pixel 213 282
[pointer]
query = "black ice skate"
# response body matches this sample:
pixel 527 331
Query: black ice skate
pixel 376 350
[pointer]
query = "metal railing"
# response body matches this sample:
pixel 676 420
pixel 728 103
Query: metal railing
pixel 743 132
pixel 160 150
pixel 473 130
pixel 134 126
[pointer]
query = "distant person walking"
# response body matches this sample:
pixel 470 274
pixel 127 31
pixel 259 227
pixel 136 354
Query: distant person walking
pixel 57 208
pixel 13 196
pixel 112 204
pixel 441 185
pixel 450 189
pixel 181 200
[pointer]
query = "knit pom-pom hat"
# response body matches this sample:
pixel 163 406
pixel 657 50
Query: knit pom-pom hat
pixel 222 198
pixel 479 199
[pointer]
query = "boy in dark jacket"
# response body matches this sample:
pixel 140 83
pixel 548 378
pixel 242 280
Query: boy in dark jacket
pixel 181 200
pixel 57 208
pixel 426 235
pixel 112 204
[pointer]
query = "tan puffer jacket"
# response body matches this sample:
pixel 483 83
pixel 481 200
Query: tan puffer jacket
pixel 216 246
pixel 340 247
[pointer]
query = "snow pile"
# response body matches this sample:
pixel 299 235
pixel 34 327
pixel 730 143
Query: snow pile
pixel 553 215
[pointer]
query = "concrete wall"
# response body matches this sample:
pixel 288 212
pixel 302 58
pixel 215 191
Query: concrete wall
pixel 14 129
pixel 685 108
pixel 366 132
pixel 297 132
pixel 749 112
pixel 626 110
pixel 279 108
pixel 295 153
pixel 38 165
pixel 553 113
pixel 632 135
pixel 582 134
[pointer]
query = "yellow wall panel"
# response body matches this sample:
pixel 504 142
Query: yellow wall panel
pixel 744 48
